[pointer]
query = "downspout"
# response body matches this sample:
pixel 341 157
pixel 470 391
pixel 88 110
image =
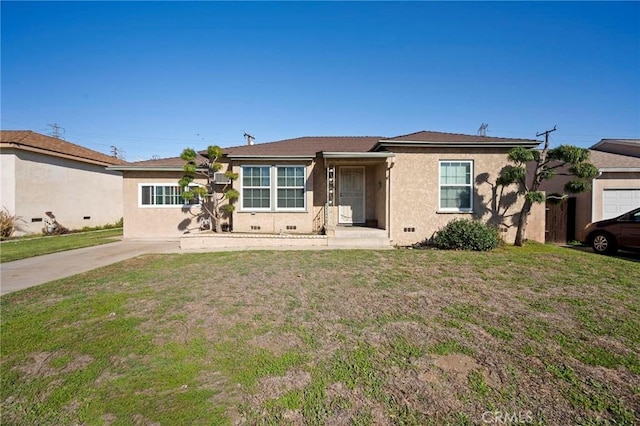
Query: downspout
pixel 593 195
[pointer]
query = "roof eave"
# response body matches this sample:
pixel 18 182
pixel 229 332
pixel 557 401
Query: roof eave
pixel 270 157
pixel 619 169
pixel 25 147
pixel 146 168
pixel 337 154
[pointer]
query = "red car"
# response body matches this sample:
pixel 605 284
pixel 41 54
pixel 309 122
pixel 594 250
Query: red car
pixel 607 236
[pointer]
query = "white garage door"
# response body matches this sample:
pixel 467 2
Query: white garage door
pixel 618 201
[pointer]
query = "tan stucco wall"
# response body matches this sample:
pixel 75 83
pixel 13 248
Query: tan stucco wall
pixel 414 193
pixel 70 189
pixel 155 221
pixel 275 222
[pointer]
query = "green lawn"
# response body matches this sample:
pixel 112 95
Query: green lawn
pixel 28 247
pixel 543 334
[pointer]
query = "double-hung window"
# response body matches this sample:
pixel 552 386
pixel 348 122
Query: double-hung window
pixel 151 195
pixel 256 187
pixel 290 186
pixel 456 186
pixel 273 188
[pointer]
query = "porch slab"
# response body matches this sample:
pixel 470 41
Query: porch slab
pixel 211 240
pixel 352 238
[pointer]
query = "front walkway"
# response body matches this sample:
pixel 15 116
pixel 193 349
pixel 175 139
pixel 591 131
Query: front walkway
pixel 33 271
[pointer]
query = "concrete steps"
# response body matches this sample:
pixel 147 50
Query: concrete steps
pixel 359 237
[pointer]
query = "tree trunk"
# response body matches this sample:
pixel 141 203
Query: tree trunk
pixel 522 223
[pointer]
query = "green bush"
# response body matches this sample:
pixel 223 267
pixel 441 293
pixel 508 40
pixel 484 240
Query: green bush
pixel 464 234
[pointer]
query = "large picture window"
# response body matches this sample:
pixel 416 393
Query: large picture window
pixel 273 188
pixel 456 186
pixel 162 195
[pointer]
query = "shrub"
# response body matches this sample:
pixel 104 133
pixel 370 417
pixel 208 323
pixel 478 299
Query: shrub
pixel 464 234
pixel 8 223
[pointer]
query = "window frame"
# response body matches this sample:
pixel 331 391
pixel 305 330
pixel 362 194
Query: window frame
pixel 185 203
pixel 242 188
pixel 273 189
pixel 470 185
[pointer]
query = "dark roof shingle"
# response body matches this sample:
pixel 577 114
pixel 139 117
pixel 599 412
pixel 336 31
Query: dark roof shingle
pixel 308 145
pixel 607 160
pixel 443 137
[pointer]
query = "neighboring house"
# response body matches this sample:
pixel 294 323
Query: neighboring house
pixel 407 187
pixel 615 190
pixel 45 174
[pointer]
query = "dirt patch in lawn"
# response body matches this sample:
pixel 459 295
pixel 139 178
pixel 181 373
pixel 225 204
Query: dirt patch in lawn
pixel 41 364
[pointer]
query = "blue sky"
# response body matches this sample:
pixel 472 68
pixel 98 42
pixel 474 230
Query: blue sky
pixel 153 78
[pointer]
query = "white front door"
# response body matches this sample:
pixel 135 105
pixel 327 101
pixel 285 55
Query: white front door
pixel 351 195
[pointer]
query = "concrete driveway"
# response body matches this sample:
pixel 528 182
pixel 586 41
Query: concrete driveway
pixel 38 270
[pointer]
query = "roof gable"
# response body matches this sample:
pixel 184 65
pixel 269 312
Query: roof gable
pixel 31 141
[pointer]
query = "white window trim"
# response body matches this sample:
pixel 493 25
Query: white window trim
pixel 273 188
pixel 163 206
pixel 241 180
pixel 470 185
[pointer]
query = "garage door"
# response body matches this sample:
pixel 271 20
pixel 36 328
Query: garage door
pixel 618 201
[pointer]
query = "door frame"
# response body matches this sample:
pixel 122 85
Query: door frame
pixel 364 194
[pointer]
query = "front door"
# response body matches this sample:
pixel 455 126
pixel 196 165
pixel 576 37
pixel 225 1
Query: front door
pixel 351 198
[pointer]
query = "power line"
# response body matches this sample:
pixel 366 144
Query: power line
pixel 55 131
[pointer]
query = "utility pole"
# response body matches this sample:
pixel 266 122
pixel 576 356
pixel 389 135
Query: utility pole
pixel 482 131
pixel 55 131
pixel 117 152
pixel 546 144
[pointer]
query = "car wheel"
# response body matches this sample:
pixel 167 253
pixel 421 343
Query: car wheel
pixel 603 243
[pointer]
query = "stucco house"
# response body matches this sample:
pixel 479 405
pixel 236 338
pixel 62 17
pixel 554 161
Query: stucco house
pixel 45 174
pixel 615 190
pixel 400 190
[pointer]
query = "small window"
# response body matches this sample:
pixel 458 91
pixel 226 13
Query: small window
pixel 163 195
pixel 456 186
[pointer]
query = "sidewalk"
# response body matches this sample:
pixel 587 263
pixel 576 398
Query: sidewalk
pixel 38 270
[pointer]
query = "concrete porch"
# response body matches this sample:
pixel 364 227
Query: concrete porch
pixel 353 237
pixel 358 237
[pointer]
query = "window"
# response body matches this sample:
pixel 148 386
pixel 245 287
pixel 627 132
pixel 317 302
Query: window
pixel 290 187
pixel 273 188
pixel 456 186
pixel 163 195
pixel 256 187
